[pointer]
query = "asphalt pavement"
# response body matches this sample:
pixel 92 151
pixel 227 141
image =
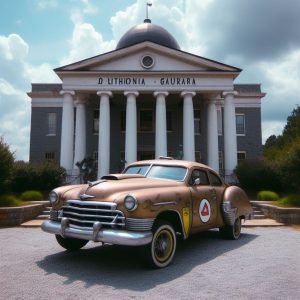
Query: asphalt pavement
pixel 263 264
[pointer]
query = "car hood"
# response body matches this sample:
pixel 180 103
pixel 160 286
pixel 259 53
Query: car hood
pixel 113 187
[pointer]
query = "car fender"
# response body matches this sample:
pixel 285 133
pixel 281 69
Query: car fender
pixel 235 205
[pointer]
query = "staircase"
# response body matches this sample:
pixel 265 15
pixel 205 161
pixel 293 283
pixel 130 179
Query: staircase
pixel 37 221
pixel 257 213
pixel 45 214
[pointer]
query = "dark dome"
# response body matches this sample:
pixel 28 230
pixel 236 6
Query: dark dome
pixel 147 32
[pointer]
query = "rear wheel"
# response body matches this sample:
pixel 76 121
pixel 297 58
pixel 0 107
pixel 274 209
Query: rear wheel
pixel 70 244
pixel 232 232
pixel 161 250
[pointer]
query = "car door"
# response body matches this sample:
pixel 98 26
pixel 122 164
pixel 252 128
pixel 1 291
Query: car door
pixel 204 200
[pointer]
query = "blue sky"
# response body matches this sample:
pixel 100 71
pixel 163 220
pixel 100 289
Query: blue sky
pixel 262 37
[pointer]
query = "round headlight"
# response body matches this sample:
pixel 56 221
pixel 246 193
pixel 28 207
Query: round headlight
pixel 130 202
pixel 53 197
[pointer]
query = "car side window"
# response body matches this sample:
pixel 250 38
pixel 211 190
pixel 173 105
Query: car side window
pixel 215 180
pixel 199 174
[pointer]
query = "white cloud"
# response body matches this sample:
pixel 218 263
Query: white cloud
pixel 86 42
pixel 271 127
pixel 16 74
pixel 89 8
pixel 284 73
pixel 46 4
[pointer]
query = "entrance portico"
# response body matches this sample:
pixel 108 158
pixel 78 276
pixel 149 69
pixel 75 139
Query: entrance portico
pixel 161 100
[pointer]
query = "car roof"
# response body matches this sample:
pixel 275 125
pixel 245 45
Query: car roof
pixel 172 162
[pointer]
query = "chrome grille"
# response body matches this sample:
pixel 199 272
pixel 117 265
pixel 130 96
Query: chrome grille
pixel 83 214
pixel 139 224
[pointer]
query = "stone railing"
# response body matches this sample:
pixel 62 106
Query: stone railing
pixel 285 215
pixel 13 216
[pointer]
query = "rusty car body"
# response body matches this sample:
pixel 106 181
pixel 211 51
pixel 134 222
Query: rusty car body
pixel 150 204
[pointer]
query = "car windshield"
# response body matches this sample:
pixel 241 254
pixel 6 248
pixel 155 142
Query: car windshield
pixel 139 169
pixel 156 171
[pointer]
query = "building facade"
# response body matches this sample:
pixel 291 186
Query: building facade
pixel 146 99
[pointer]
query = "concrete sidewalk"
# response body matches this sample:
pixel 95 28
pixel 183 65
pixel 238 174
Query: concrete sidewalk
pixel 248 223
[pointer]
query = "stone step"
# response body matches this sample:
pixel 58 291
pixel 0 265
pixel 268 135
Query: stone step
pixel 259 217
pixel 42 217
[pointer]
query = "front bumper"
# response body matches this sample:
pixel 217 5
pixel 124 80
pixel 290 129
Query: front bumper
pixel 99 234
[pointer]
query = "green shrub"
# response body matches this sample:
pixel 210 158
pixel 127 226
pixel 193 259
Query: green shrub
pixel 290 200
pixel 31 196
pixel 9 200
pixel 267 196
pixel 6 163
pixel 257 175
pixel 36 176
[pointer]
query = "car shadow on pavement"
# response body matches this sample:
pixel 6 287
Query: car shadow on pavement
pixel 123 267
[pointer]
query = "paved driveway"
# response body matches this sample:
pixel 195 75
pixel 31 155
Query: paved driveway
pixel 263 264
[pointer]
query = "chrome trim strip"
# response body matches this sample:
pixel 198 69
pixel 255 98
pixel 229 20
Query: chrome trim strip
pixel 92 222
pixel 79 202
pixel 165 203
pixel 90 209
pixel 92 183
pixel 110 236
pixel 85 196
pixel 93 216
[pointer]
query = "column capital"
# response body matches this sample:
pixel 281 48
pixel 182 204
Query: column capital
pixel 163 93
pixel 183 94
pixel 64 92
pixel 233 93
pixel 108 93
pixel 80 99
pixel 134 93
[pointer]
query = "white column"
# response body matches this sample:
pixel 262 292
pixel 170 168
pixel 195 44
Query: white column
pixel 212 135
pixel 161 124
pixel 188 126
pixel 67 132
pixel 104 134
pixel 80 132
pixel 131 132
pixel 230 145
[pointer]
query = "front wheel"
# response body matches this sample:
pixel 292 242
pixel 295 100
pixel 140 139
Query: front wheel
pixel 232 232
pixel 161 250
pixel 70 244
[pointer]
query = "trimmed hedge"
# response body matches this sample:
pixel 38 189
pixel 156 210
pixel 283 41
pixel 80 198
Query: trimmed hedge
pixel 291 200
pixel 9 200
pixel 36 176
pixel 31 196
pixel 267 196
pixel 257 175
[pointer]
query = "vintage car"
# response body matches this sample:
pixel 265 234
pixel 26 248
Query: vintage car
pixel 150 204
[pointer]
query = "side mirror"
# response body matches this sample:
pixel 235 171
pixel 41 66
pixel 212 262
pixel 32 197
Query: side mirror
pixel 197 181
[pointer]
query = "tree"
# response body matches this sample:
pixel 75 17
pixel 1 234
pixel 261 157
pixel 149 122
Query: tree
pixel 283 151
pixel 6 163
pixel 274 145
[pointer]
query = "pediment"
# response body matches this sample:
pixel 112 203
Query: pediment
pixel 165 59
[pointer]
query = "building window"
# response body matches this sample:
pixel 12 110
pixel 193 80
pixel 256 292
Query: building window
pixel 51 123
pixel 219 121
pixel 145 155
pixel 123 121
pixel 50 155
pixel 198 156
pixel 197 121
pixel 221 163
pixel 240 124
pixel 146 120
pixel 169 121
pixel 96 121
pixel 241 156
